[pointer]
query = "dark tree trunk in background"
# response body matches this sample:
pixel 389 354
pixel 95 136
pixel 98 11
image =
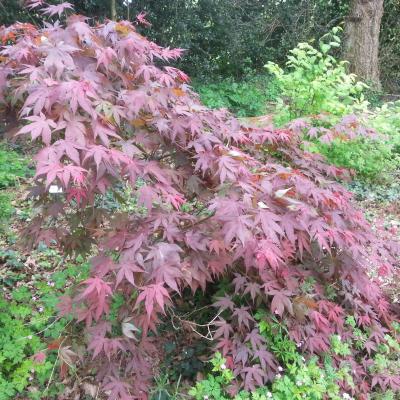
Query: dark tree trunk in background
pixel 362 39
pixel 113 10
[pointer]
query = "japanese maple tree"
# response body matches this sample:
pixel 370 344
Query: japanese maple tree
pixel 215 198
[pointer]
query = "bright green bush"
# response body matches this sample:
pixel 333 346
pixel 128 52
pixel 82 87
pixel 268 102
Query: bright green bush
pixel 386 120
pixel 371 159
pixel 315 82
pixel 247 98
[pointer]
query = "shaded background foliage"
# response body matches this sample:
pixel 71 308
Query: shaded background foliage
pixel 235 37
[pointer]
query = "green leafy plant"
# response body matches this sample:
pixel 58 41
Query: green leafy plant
pixel 372 160
pixel 18 344
pixel 315 82
pixel 6 208
pixel 315 378
pixel 31 344
pixel 163 390
pixel 247 98
pixel 386 120
pixel 13 166
pixel 214 387
pixel 299 379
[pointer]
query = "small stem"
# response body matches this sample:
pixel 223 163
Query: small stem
pixel 200 221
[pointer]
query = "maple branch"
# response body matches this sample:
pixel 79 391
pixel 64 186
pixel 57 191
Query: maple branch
pixel 193 325
pixel 164 156
pixel 139 146
pixel 200 221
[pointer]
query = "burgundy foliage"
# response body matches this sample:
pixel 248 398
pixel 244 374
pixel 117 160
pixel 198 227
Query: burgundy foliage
pixel 215 198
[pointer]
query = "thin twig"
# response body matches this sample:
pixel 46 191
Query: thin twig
pixel 208 336
pixel 53 369
pixel 200 221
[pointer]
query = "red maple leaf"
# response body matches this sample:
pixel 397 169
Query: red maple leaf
pixel 152 295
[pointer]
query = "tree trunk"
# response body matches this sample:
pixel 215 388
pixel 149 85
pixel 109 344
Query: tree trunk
pixel 362 39
pixel 113 10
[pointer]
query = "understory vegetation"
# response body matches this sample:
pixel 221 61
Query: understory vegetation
pixel 168 239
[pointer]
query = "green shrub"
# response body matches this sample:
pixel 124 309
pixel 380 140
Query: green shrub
pixel 386 120
pixel 247 98
pixel 371 159
pixel 315 82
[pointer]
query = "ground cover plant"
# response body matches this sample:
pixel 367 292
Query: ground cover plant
pixel 13 168
pixel 35 345
pixel 213 200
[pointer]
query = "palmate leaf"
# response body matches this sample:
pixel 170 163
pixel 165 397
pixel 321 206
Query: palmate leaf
pixel 224 303
pixel 118 389
pixel 254 376
pixel 224 329
pixel 153 295
pixel 57 9
pixel 243 316
pixel 280 303
pixel 98 291
pixel 34 3
pixel 126 271
pixel 266 359
pixel 39 126
pixel 255 339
